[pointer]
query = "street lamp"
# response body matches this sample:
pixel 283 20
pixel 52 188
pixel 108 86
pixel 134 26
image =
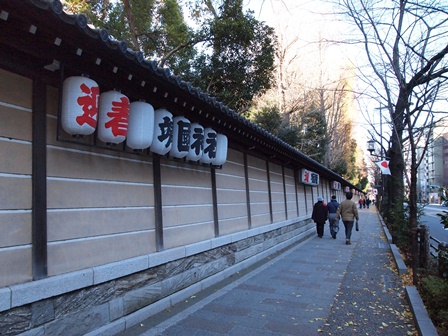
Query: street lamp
pixel 380 188
pixel 371 146
pixel 371 149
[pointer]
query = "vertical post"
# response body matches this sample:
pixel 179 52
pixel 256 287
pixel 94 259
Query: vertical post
pixel 268 172
pixel 39 181
pixel 215 202
pixel 424 247
pixel 246 180
pixel 306 200
pixel 158 202
pixel 296 184
pixel 381 132
pixel 285 198
pixel 414 251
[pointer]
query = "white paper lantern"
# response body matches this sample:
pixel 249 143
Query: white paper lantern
pixel 209 149
pixel 113 117
pixel 196 142
pixel 141 125
pixel 181 137
pixel 79 105
pixel 221 150
pixel 163 132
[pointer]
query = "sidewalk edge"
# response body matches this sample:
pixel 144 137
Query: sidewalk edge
pixel 422 320
pixel 424 324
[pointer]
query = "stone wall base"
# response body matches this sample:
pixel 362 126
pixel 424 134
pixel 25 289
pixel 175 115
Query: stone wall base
pixel 115 305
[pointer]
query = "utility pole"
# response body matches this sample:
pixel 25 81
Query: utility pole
pixel 381 157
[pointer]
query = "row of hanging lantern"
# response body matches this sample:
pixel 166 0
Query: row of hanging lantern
pixel 85 109
pixel 335 185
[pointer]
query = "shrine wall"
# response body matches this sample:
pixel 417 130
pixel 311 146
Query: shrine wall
pixel 102 232
pixel 231 195
pixel 277 193
pixel 187 204
pixel 291 194
pixel 258 192
pixel 15 179
pixel 100 203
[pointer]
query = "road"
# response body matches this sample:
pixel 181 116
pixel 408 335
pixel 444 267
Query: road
pixel 433 221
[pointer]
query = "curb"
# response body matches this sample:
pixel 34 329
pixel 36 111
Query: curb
pixel 423 323
pixel 401 266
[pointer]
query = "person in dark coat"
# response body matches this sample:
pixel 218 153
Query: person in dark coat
pixel 332 207
pixel 368 201
pixel 320 215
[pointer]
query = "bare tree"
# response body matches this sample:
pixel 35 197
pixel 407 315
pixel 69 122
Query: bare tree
pixel 339 126
pixel 312 88
pixel 405 44
pixel 285 76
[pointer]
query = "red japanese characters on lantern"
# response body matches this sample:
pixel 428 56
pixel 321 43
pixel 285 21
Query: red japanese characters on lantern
pixel 221 150
pixel 141 125
pixel 79 105
pixel 196 142
pixel 163 132
pixel 181 137
pixel 209 146
pixel 309 177
pixel 113 117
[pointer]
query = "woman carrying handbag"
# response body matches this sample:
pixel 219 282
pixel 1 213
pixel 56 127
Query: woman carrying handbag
pixel 348 211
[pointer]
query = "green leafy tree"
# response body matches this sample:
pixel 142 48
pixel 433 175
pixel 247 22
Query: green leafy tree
pixel 289 134
pixel 312 137
pixel 267 117
pixel 238 59
pixel 157 28
pixel 224 51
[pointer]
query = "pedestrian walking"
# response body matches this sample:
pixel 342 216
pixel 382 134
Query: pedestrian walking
pixel 348 211
pixel 368 201
pixel 332 207
pixel 360 202
pixel 320 215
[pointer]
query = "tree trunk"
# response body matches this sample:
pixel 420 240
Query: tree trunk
pixel 130 17
pixel 394 185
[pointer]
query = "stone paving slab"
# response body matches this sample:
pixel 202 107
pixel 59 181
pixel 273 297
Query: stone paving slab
pixel 318 287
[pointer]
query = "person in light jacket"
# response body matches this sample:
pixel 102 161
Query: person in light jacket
pixel 348 211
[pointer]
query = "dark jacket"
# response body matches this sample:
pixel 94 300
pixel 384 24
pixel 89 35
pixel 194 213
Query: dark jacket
pixel 333 206
pixel 320 212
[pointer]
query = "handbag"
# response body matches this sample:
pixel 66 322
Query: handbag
pixel 357 226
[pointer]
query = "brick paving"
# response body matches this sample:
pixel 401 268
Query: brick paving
pixel 318 287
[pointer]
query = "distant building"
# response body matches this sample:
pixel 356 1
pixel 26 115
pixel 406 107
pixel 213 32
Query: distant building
pixel 433 171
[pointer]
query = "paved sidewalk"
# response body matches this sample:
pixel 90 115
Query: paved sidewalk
pixel 318 287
